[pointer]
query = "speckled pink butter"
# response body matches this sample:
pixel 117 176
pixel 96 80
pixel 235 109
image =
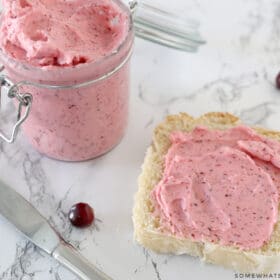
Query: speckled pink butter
pixel 61 32
pixel 69 42
pixel 220 186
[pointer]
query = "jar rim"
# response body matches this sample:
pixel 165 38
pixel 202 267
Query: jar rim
pixel 77 85
pixel 128 41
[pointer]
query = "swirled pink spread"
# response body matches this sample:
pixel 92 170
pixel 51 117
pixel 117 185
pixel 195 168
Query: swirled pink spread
pixel 66 42
pixel 220 186
pixel 61 32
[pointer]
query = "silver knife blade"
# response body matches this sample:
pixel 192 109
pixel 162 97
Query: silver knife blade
pixel 36 228
pixel 27 219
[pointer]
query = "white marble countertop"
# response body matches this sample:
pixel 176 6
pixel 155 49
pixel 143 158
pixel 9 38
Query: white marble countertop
pixel 234 72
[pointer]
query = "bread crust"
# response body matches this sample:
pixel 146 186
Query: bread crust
pixel 146 232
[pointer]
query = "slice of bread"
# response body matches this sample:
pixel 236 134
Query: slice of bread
pixel 146 226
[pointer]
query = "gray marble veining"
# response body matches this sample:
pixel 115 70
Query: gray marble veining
pixel 234 72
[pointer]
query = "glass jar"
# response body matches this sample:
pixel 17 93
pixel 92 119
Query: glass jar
pixel 81 112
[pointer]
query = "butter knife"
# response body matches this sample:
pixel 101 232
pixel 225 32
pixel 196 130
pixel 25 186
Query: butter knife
pixel 36 228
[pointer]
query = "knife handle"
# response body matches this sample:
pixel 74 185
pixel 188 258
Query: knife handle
pixel 71 259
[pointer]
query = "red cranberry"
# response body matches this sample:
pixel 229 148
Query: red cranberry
pixel 277 81
pixel 81 215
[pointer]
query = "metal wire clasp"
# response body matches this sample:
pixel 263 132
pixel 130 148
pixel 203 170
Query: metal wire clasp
pixel 132 5
pixel 24 101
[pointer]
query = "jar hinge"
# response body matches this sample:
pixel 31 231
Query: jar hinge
pixel 24 101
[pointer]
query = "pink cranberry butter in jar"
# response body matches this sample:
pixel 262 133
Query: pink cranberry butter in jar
pixel 69 59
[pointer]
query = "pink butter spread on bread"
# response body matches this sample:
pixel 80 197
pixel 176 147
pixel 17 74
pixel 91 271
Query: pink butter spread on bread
pixel 220 186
